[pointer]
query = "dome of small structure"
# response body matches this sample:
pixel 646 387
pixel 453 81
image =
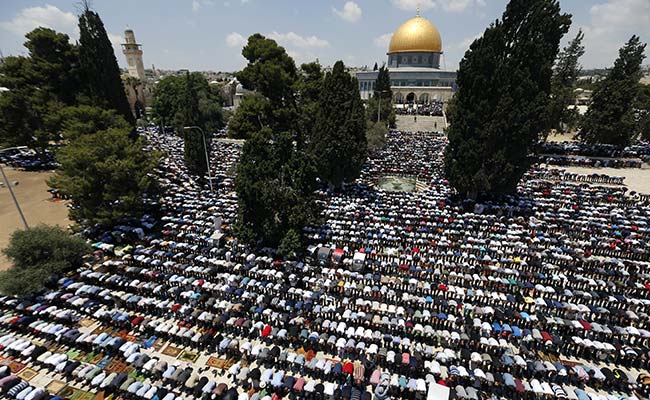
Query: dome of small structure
pixel 416 35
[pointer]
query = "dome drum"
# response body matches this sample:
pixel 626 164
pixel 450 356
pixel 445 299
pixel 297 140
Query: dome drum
pixel 414 59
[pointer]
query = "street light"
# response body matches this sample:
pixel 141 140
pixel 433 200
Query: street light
pixel 205 148
pixel 379 103
pixel 13 196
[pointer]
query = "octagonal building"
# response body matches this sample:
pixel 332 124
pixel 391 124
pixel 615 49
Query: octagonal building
pixel 414 57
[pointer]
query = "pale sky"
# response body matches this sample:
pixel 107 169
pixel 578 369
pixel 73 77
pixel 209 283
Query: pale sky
pixel 209 34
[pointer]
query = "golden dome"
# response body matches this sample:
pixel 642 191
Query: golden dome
pixel 416 34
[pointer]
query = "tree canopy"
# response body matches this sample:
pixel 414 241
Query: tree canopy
pixel 275 185
pixel 108 176
pixel 170 95
pixel 338 141
pixel 100 73
pixel 39 86
pixel 642 107
pixel 84 120
pixel 60 90
pixel 189 117
pixel 382 84
pixel 270 70
pixel 501 107
pixel 563 84
pixel 36 254
pixel 376 136
pixel 276 177
pixel 251 116
pixel 611 115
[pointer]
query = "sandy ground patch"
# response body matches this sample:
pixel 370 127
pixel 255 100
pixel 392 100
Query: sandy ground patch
pixel 561 137
pixel 636 179
pixel 34 200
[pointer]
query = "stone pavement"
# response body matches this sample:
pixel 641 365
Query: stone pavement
pixel 424 123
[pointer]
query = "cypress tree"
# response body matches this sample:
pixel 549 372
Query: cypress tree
pixel 501 108
pixel 382 84
pixel 339 141
pixel 611 116
pixel 189 116
pixel 563 84
pixel 383 95
pixel 99 68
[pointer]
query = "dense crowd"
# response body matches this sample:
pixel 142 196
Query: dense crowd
pixel 542 295
pixel 565 153
pixel 26 159
pixel 434 108
pixel 580 161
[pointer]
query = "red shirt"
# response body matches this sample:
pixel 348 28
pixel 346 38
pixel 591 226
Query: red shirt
pixel 348 368
pixel 266 331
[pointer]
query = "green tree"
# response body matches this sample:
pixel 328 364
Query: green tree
pixel 610 117
pixel 38 253
pixel 308 88
pixel 166 99
pixel 501 108
pixel 383 96
pixel 563 85
pixel 189 116
pixel 85 120
pixel 642 107
pixel 251 116
pixel 276 178
pixel 39 86
pixel 338 142
pixel 387 113
pixel 99 70
pixel 54 63
pixel 275 185
pixel 256 111
pixel 169 98
pixel 108 176
pixel 382 84
pixel 376 136
pixel 270 71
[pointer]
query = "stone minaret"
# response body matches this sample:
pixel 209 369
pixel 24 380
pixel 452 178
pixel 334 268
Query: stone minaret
pixel 133 53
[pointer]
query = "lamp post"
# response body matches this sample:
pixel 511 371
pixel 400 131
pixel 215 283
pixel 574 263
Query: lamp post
pixel 379 104
pixel 162 123
pixel 205 148
pixel 13 196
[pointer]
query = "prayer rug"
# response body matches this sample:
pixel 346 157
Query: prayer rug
pixel 55 386
pixel 172 351
pixel 27 374
pixel 215 362
pixel 16 366
pixel 158 344
pixel 188 356
pixel 97 359
pixel 85 322
pixel 66 391
pixel 82 395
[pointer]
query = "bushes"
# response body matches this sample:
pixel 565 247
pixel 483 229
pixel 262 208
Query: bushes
pixel 38 253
